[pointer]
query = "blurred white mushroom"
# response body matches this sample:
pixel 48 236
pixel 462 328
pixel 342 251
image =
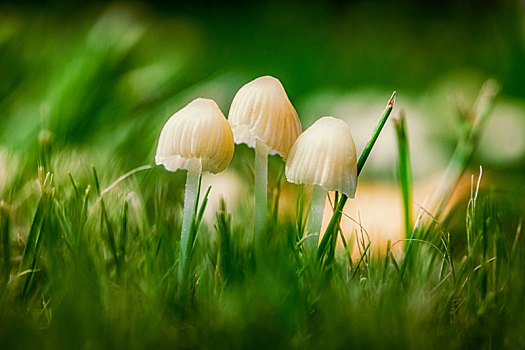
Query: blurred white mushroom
pixel 262 116
pixel 324 156
pixel 199 134
pixel 226 185
pixel 197 138
pixel 262 111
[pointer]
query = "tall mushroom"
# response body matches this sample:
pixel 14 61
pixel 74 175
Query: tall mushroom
pixel 324 156
pixel 262 116
pixel 197 138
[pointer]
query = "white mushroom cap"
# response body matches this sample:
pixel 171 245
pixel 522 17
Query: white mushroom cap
pixel 324 155
pixel 261 110
pixel 197 131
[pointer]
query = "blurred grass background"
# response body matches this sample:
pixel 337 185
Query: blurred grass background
pixel 93 83
pixel 110 74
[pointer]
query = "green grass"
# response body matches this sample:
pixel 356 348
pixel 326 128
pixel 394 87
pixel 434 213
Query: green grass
pixel 89 248
pixel 101 272
pixel 104 277
pixel 404 172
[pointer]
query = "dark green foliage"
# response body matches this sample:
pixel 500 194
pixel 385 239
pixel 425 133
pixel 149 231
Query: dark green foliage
pixel 74 293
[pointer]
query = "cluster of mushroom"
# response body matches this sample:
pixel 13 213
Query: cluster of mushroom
pixel 198 138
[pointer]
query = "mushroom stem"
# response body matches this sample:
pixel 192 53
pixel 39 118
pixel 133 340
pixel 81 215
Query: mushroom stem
pixel 190 200
pixel 261 187
pixel 315 217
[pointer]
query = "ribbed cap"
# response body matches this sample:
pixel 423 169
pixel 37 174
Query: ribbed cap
pixel 261 109
pixel 325 155
pixel 197 131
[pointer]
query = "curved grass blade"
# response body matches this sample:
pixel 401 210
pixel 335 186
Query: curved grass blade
pixel 333 226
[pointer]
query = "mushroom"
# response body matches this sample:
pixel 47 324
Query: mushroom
pixel 197 138
pixel 262 116
pixel 324 156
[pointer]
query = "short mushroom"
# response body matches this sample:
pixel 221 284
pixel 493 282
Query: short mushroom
pixel 197 138
pixel 262 116
pixel 324 156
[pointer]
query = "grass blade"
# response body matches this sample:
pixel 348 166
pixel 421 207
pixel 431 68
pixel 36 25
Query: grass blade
pixel 333 225
pixel 104 220
pixel 35 238
pixel 123 233
pixel 5 220
pixel 360 260
pixel 200 214
pixel 466 146
pixel 223 228
pixel 404 172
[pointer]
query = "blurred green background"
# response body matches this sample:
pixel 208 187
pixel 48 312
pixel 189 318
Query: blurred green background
pixel 102 78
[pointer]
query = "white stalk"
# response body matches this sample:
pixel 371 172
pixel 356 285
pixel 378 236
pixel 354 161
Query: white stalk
pixel 315 217
pixel 261 187
pixel 190 194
